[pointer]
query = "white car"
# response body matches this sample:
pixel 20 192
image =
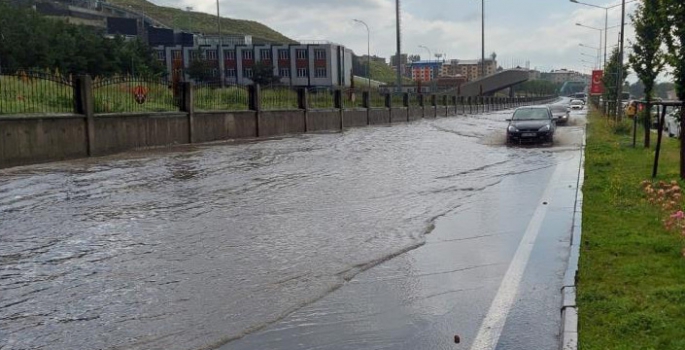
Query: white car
pixel 576 104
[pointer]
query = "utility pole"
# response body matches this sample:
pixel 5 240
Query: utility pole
pixel 619 80
pixel 399 47
pixel 218 46
pixel 482 57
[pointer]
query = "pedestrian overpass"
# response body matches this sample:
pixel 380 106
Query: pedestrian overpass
pixel 487 86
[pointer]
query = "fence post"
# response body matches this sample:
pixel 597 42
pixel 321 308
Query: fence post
pixel 454 103
pixel 302 103
pixel 187 105
pixel 85 105
pixel 388 105
pixel 366 103
pixel 255 100
pixel 405 103
pixel 338 103
pixel 434 105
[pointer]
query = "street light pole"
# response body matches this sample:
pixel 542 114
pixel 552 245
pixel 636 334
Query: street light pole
pixel 368 52
pixel 482 37
pixel 399 46
pixel 619 80
pixel 429 52
pixel 606 20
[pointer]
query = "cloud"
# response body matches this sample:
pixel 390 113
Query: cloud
pixel 544 34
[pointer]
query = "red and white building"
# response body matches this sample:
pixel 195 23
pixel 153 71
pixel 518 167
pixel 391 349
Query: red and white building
pixel 319 64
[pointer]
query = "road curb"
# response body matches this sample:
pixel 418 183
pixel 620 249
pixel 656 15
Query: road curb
pixel 568 339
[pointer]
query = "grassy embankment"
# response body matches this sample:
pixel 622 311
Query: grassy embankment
pixel 631 290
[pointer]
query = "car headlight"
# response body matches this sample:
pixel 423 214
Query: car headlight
pixel 544 128
pixel 512 128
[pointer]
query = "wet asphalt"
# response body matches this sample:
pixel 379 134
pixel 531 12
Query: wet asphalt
pixel 394 237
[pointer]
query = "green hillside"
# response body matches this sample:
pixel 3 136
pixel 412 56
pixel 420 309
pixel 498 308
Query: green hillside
pixel 383 72
pixel 203 22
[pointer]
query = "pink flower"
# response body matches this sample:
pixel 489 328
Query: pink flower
pixel 678 215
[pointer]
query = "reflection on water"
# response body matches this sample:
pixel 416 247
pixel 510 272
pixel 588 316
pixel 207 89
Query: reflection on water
pixel 188 248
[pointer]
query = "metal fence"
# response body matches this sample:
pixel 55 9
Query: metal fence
pixel 352 98
pixel 376 99
pixel 135 94
pixel 278 97
pixel 414 100
pixel 397 99
pixel 35 92
pixel 321 98
pixel 212 96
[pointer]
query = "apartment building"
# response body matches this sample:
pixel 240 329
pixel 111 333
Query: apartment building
pixel 314 64
pixel 425 70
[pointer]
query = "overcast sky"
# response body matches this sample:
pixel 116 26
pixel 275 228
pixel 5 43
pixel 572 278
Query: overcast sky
pixel 543 32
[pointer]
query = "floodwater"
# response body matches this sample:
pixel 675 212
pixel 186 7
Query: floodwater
pixel 197 247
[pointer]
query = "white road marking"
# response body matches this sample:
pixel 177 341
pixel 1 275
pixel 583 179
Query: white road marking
pixel 491 328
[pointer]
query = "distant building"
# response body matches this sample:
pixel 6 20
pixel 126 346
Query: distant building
pixel 469 69
pixel 564 75
pixel 318 64
pixel 425 70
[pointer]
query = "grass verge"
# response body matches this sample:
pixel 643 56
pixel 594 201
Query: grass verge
pixel 631 287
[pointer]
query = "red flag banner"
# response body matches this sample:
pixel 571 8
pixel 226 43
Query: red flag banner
pixel 597 88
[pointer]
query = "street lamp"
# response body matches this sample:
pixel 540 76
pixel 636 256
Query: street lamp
pixel 598 49
pixel 606 20
pixel 482 38
pixel 429 51
pixel 368 51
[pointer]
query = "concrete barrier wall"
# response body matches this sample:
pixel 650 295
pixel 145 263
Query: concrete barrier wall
pixel 355 118
pixel 398 115
pixel 33 139
pixel 121 132
pixel 29 139
pixel 323 120
pixel 379 116
pixel 217 126
pixel 415 113
pixel 429 112
pixel 273 123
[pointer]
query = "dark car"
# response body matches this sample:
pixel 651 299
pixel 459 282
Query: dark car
pixel 531 124
pixel 560 113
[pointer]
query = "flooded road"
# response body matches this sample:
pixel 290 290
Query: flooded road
pixel 276 244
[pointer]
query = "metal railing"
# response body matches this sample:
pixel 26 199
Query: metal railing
pixel 352 98
pixel 28 92
pixel 320 98
pixel 135 94
pixel 212 96
pixel 278 97
pixel 377 99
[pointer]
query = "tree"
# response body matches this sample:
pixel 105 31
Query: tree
pixel 674 34
pixel 609 79
pixel 647 59
pixel 263 74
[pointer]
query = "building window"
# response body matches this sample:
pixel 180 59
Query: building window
pixel 193 56
pixel 301 54
pixel 211 55
pixel 283 54
pixel 284 72
pixel 229 55
pixel 215 72
pixel 302 73
pixel 265 54
pixel 320 72
pixel 320 54
pixel 176 54
pixel 247 55
pixel 161 55
pixel 247 72
pixel 230 72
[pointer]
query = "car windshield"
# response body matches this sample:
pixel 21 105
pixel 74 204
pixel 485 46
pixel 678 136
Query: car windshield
pixel 558 108
pixel 531 114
